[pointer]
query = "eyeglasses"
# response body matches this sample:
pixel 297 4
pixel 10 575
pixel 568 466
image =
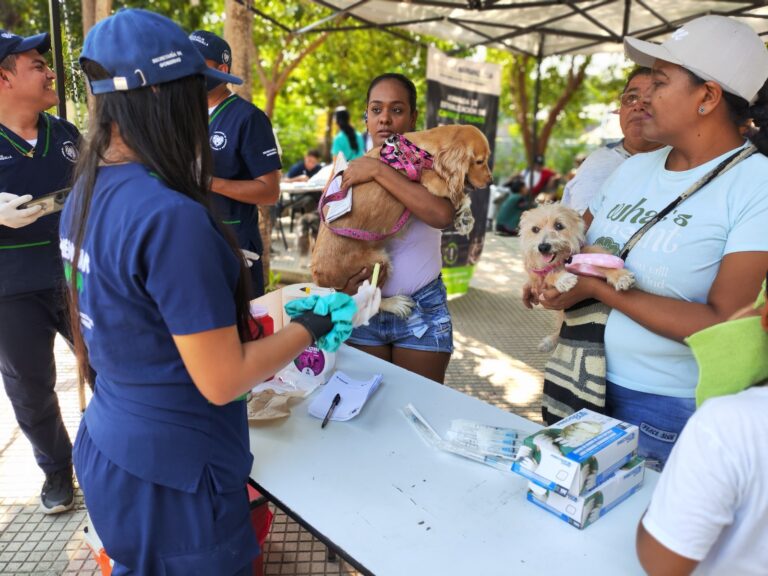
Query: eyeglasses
pixel 630 99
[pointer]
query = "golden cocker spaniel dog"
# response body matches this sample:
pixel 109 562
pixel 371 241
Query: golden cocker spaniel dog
pixel 460 155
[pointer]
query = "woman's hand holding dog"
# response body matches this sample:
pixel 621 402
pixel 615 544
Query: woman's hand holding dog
pixel 552 299
pixel 354 283
pixel 359 171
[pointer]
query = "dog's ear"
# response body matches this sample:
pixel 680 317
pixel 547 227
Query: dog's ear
pixel 451 163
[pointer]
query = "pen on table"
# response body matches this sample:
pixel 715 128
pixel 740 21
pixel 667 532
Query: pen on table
pixel 334 403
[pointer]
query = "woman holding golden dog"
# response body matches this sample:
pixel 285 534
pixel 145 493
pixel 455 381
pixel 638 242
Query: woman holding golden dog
pixel 422 342
pixel 704 260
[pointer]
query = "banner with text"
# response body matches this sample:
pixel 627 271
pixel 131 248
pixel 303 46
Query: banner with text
pixel 463 92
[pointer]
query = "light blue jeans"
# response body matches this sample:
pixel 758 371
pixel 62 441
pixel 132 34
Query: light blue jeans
pixel 659 418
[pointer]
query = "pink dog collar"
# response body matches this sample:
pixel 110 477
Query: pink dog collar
pixel 587 264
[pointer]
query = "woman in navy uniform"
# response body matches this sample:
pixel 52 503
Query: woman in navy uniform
pixel 160 290
pixel 246 161
pixel 37 155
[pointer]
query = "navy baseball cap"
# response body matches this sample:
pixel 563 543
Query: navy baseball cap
pixel 12 44
pixel 212 47
pixel 140 48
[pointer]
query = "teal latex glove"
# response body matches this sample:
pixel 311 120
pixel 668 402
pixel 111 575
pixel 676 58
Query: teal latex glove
pixel 341 309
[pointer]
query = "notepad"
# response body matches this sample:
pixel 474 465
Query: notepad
pixel 354 394
pixel 337 208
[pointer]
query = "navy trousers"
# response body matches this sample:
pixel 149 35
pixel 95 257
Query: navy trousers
pixel 28 325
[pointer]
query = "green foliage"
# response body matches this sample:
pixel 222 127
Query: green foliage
pixel 574 121
pixel 274 281
pixel 338 72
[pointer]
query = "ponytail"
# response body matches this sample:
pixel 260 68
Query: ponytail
pixel 342 119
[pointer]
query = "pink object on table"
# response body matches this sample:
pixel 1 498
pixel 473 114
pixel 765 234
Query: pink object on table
pixel 587 264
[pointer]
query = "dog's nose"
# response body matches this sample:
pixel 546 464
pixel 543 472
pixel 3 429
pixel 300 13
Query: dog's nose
pixel 545 247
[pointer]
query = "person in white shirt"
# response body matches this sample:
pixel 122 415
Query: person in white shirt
pixel 709 512
pixel 603 161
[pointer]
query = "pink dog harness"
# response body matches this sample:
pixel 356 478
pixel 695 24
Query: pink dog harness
pixel 586 264
pixel 399 153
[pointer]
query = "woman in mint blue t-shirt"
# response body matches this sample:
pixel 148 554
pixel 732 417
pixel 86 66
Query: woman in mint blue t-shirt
pixel 348 140
pixel 703 261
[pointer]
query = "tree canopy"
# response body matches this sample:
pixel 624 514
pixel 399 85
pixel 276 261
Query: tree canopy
pixel 300 79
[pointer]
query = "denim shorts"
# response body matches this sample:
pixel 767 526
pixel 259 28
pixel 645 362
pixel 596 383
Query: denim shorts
pixel 428 328
pixel 659 418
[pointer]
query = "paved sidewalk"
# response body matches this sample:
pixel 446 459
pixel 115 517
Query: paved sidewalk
pixel 495 359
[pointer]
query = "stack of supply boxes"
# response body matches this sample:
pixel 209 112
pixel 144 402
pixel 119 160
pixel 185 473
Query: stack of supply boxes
pixel 581 467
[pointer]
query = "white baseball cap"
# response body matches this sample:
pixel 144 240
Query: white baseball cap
pixel 714 48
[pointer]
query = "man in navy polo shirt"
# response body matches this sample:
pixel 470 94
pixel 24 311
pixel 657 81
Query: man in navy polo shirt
pixel 245 157
pixel 37 155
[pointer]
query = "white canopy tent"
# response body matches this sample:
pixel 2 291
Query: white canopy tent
pixel 537 27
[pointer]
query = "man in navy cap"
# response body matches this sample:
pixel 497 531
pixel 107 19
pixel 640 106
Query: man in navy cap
pixel 37 155
pixel 245 156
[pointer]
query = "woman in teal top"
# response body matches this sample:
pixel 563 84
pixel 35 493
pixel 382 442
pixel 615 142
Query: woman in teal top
pixel 348 140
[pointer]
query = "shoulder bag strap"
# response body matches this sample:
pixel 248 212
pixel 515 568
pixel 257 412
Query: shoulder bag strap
pixel 724 166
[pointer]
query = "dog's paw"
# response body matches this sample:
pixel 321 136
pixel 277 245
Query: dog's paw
pixel 565 282
pixel 400 306
pixel 548 343
pixel 624 282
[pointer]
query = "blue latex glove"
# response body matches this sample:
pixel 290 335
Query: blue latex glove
pixel 339 306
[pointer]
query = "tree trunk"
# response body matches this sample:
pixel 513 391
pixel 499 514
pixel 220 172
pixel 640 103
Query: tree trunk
pixel 523 114
pixel 274 78
pixel 93 11
pixel 238 28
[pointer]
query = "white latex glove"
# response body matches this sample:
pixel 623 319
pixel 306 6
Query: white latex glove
pixel 368 300
pixel 250 257
pixel 11 216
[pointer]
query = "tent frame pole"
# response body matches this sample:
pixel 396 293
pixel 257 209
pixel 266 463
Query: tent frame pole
pixel 534 121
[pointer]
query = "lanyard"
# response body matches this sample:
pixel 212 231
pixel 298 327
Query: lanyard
pixel 31 152
pixel 221 107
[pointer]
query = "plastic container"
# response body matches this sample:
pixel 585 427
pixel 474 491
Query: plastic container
pixel 315 362
pixel 260 323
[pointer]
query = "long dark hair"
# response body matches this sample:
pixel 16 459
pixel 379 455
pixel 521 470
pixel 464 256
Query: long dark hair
pixel 342 119
pixel 409 86
pixel 741 112
pixel 166 129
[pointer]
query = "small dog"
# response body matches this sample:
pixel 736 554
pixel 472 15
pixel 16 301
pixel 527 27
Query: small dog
pixel 460 154
pixel 550 234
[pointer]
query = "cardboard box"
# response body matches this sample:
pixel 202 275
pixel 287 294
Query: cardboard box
pixel 584 510
pixel 276 300
pixel 576 454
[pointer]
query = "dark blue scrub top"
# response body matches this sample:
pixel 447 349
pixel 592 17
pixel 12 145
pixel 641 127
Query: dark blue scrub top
pixel 152 265
pixel 299 169
pixel 29 256
pixel 244 148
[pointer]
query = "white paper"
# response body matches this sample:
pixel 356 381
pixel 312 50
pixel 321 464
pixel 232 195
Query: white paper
pixel 353 393
pixel 338 208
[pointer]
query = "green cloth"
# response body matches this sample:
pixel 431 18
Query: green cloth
pixel 341 307
pixel 732 356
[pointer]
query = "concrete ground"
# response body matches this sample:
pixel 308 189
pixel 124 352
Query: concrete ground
pixel 495 360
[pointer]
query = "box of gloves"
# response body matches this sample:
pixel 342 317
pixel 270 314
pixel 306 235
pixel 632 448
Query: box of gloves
pixel 576 454
pixel 584 510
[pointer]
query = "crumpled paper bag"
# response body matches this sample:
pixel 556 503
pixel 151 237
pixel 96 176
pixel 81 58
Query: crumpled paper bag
pixel 269 405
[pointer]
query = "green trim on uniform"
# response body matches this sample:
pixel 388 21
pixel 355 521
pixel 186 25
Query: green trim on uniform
pixel 30 245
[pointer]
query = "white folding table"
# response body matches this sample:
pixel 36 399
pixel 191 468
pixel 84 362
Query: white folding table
pixel 391 505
